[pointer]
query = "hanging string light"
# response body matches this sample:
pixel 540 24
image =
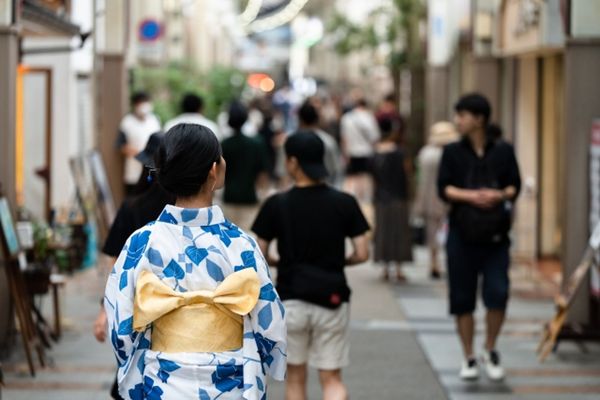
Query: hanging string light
pixel 250 12
pixel 282 17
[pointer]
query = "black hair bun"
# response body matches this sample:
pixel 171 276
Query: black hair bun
pixel 185 158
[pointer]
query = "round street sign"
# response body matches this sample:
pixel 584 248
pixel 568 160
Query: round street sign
pixel 149 30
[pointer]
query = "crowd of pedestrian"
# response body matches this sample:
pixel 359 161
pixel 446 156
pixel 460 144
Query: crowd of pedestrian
pixel 190 308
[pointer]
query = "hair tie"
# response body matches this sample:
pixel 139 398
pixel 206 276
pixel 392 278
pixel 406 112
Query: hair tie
pixel 151 172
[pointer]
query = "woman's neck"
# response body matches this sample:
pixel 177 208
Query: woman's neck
pixel 201 200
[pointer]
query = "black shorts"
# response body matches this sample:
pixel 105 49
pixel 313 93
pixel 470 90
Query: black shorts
pixel 466 262
pixel 358 165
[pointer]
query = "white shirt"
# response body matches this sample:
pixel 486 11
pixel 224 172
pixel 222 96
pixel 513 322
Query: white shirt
pixel 359 132
pixel 194 118
pixel 137 132
pixel 248 128
pixel 332 158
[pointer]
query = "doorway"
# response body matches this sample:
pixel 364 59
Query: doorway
pixel 34 141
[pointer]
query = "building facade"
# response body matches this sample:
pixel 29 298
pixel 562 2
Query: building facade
pixel 40 97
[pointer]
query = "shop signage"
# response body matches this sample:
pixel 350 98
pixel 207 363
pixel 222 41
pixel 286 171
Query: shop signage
pixel 595 193
pixel 150 47
pixel 149 30
pixel 529 16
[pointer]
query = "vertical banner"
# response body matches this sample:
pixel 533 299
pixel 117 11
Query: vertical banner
pixel 595 195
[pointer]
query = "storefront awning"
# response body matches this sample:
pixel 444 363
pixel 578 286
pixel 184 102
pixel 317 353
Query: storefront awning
pixel 38 19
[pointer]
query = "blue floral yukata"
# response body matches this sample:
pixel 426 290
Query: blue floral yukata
pixel 193 249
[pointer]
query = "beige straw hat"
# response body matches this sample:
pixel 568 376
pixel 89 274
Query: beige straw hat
pixel 443 133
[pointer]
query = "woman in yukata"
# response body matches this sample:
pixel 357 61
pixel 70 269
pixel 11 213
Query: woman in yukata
pixel 192 312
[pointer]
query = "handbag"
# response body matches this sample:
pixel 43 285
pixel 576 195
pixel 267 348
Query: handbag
pixel 318 286
pixel 479 226
pixel 311 283
pixel 418 228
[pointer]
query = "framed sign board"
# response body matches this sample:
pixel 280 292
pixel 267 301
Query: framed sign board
pixel 84 186
pixel 9 234
pixel 105 201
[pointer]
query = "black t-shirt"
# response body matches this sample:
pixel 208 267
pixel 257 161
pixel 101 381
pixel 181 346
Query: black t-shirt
pixel 461 167
pixel 134 214
pixel 246 158
pixel 311 225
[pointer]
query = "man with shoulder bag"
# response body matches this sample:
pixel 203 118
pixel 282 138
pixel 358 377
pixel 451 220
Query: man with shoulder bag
pixel 479 177
pixel 311 223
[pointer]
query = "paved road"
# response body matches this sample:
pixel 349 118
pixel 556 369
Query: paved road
pixel 387 361
pixel 568 374
pixel 403 347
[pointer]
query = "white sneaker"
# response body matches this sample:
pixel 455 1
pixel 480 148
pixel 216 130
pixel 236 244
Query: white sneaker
pixel 469 370
pixel 491 360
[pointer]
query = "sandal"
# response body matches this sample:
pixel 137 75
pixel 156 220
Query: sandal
pixel 435 274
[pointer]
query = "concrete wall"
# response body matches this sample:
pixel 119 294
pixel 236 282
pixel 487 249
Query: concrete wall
pixel 507 106
pixel 552 134
pixel 112 105
pixel 584 18
pixel 111 87
pixel 487 82
pixel 526 144
pixel 437 96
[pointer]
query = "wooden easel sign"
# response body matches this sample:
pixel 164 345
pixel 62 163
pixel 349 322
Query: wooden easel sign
pixel 564 300
pixel 11 249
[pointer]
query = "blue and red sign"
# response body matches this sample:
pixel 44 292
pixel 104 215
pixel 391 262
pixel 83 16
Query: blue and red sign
pixel 150 30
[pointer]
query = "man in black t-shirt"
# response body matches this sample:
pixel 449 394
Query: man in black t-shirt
pixel 247 167
pixel 479 177
pixel 311 223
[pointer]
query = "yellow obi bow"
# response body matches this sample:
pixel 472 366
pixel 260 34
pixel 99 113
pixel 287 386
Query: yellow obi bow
pixel 199 321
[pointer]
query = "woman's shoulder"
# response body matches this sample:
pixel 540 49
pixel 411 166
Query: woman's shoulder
pixel 142 236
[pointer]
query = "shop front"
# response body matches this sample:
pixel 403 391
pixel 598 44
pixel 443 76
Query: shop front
pixel 36 127
pixel 530 39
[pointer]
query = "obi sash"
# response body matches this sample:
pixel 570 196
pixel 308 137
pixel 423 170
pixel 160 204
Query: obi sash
pixel 196 321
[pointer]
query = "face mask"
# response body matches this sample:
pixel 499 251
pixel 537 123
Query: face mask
pixel 144 109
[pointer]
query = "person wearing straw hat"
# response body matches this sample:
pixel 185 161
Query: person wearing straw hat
pixel 428 205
